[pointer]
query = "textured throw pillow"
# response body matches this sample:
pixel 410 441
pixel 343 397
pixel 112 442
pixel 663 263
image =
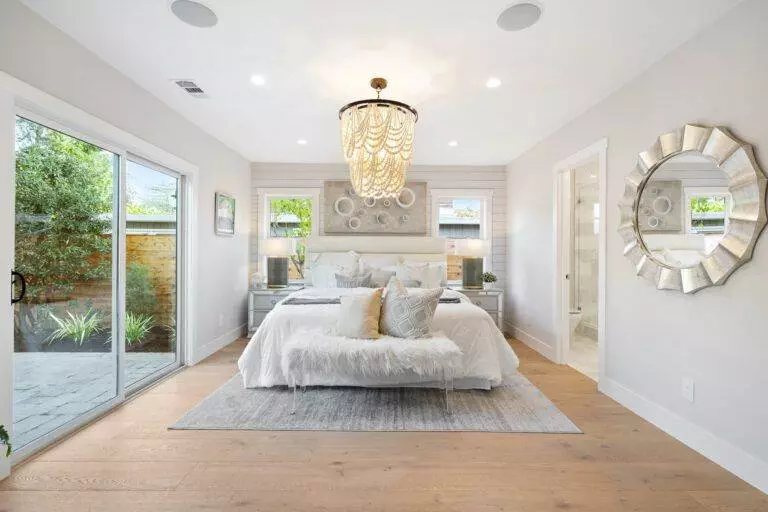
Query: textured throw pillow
pixel 380 277
pixel 359 315
pixel 407 314
pixel 344 281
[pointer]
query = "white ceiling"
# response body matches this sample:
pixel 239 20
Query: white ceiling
pixel 437 54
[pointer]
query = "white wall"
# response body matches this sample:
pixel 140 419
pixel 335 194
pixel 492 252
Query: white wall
pixel 39 54
pixel 718 337
pixel 265 175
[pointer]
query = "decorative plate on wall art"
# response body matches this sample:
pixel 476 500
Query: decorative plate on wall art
pixel 347 213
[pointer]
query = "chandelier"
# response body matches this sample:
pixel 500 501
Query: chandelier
pixel 377 139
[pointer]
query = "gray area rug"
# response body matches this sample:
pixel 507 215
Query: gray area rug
pixel 517 407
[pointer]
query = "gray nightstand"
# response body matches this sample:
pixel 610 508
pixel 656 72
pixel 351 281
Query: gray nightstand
pixel 490 300
pixel 261 302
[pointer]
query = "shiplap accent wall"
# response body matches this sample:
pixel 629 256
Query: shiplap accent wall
pixel 282 175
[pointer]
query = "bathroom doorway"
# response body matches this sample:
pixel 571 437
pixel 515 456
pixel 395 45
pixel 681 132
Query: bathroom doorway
pixel 579 194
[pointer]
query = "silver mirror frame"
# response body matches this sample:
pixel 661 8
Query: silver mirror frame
pixel 747 184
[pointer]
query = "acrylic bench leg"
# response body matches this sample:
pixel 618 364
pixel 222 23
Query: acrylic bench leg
pixel 448 385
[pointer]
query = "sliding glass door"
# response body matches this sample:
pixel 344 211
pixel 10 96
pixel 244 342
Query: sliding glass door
pixel 65 348
pixel 151 284
pixel 96 234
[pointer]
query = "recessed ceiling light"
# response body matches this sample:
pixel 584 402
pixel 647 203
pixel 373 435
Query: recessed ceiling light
pixel 453 143
pixel 194 13
pixel 519 16
pixel 492 82
pixel 301 142
pixel 258 80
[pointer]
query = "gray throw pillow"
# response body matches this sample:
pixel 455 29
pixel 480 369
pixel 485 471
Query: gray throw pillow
pixel 408 314
pixel 380 277
pixel 363 281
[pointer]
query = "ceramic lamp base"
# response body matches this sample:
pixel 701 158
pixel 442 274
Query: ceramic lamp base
pixel 472 273
pixel 277 272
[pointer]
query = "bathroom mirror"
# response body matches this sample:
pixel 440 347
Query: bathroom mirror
pixel 693 208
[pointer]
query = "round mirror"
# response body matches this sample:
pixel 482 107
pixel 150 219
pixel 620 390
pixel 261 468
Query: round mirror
pixel 693 208
pixel 684 210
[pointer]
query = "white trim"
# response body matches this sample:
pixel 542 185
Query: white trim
pixel 561 172
pixel 718 450
pixel 217 344
pixel 263 215
pixel 536 344
pixel 690 192
pixel 7 203
pixel 486 225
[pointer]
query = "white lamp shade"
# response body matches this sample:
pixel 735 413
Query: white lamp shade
pixel 278 247
pixel 472 247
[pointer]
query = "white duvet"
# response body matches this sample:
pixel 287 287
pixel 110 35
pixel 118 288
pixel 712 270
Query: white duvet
pixel 487 362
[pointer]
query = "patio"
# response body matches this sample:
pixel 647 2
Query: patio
pixel 51 388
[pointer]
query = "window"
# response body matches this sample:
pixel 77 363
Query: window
pixel 460 214
pixel 291 214
pixel 706 210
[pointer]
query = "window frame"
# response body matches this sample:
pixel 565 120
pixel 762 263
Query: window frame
pixel 268 194
pixel 485 196
pixel 691 192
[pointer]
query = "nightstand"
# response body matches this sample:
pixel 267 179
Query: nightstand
pixel 261 302
pixel 491 300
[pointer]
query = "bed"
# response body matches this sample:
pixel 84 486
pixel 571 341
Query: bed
pixel 488 360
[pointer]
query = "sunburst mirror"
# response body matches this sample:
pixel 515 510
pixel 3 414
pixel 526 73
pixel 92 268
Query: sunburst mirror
pixel 693 208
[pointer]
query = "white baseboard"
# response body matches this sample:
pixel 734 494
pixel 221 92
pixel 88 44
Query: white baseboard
pixel 214 346
pixel 730 457
pixel 536 344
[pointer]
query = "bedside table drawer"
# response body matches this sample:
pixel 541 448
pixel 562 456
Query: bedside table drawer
pixel 487 302
pixel 265 302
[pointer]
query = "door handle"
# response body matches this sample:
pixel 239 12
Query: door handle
pixel 16 276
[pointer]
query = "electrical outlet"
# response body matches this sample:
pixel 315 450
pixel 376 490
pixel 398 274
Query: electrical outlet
pixel 688 389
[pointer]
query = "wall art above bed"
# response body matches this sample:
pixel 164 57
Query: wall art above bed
pixel 347 213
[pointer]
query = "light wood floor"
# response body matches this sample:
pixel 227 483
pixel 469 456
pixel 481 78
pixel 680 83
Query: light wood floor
pixel 130 461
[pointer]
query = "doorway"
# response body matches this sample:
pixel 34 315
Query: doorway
pixel 580 257
pixel 96 259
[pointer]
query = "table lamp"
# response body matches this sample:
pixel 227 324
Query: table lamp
pixel 278 252
pixel 473 250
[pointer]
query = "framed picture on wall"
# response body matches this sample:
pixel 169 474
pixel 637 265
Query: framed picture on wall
pixel 224 215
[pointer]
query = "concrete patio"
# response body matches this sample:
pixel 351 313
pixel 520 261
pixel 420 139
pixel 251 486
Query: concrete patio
pixel 52 388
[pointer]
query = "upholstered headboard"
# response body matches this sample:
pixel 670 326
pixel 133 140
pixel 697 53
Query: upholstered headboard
pixel 430 249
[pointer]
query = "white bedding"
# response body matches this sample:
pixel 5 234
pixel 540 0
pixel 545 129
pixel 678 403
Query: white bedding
pixel 488 359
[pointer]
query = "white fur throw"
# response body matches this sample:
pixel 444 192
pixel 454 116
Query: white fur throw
pixel 317 353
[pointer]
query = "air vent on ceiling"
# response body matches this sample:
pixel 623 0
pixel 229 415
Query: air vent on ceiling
pixel 191 87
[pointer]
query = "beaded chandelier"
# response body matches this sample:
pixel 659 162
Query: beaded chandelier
pixel 377 139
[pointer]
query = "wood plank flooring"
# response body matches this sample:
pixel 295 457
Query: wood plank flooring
pixel 129 461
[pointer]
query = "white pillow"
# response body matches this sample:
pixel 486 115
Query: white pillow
pixel 359 315
pixel 324 276
pixel 430 275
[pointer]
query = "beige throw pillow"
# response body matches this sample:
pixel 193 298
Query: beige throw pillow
pixel 359 315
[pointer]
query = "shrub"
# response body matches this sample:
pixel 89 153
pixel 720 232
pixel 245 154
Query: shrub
pixel 5 440
pixel 140 296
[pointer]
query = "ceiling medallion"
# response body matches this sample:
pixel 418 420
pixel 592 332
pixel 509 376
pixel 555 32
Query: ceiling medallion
pixel 377 140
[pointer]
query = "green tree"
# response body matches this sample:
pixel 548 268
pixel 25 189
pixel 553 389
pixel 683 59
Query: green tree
pixel 63 211
pixel 283 211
